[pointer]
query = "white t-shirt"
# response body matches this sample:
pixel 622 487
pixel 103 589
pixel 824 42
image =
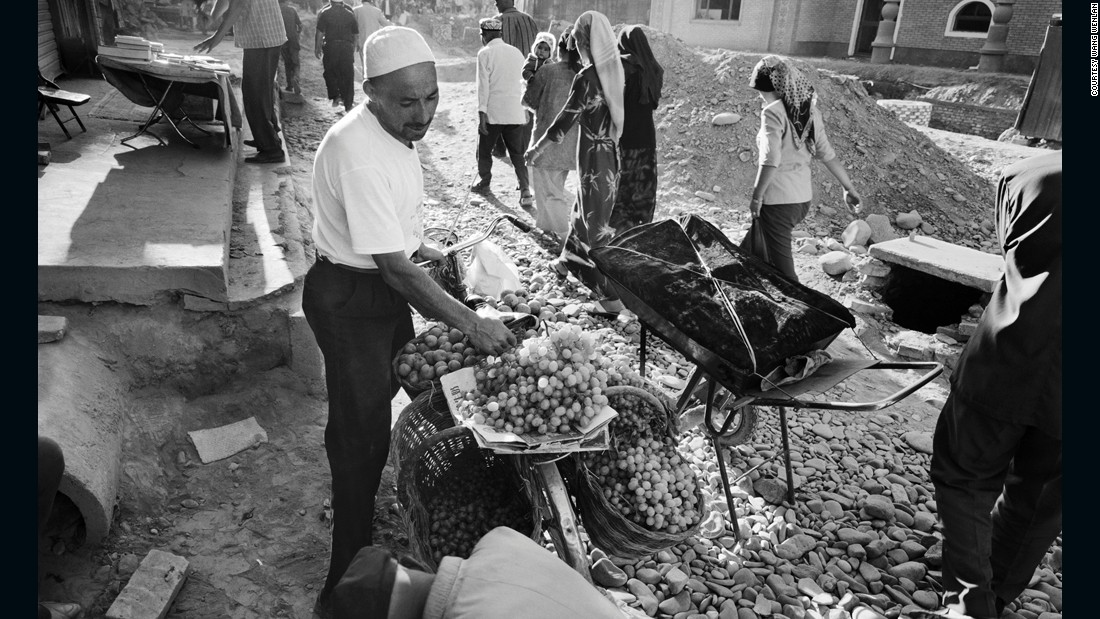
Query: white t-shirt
pixel 368 192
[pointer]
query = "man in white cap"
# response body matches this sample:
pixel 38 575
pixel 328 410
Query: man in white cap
pixel 368 191
pixel 500 108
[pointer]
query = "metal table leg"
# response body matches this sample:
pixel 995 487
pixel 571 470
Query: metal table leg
pixel 158 109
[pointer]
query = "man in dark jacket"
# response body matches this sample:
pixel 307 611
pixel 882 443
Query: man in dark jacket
pixel 334 44
pixel 997 451
pixel 290 50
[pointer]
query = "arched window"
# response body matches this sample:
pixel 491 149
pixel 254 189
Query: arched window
pixel 970 19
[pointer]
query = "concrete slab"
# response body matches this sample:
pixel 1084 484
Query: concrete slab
pixel 135 222
pixel 153 587
pixel 944 260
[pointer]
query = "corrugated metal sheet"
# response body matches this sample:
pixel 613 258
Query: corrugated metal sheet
pixel 1041 113
pixel 49 61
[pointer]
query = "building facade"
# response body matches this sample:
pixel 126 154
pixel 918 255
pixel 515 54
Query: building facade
pixel 947 33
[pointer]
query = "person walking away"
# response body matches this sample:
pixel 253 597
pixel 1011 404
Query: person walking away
pixel 997 447
pixel 258 29
pixel 540 52
pixel 368 196
pixel 292 47
pixel 500 110
pixel 636 198
pixel 334 45
pixel 546 94
pixel 369 19
pixel 596 103
pixel 791 134
pixel 519 30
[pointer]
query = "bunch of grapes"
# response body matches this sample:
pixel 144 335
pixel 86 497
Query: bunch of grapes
pixel 649 483
pixel 549 384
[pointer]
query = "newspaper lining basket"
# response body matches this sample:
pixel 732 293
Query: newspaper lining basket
pixel 608 528
pixel 444 461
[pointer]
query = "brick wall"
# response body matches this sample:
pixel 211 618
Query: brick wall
pixel 826 22
pixel 988 122
pixel 920 35
pixel 910 112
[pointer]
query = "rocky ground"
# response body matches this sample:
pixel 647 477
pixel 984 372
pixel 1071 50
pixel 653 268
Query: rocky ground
pixel 862 539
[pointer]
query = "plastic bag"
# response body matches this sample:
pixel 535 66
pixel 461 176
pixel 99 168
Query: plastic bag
pixel 754 242
pixel 491 271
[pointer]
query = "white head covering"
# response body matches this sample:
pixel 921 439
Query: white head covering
pixel 603 48
pixel 394 47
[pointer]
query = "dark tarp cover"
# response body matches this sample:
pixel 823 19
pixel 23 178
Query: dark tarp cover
pixel 736 316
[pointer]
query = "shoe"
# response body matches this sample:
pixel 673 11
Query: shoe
pixel 558 265
pixel 527 199
pixel 275 156
pixel 62 610
pixel 255 144
pixel 480 187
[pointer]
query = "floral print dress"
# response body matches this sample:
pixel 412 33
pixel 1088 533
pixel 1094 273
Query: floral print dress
pixel 598 169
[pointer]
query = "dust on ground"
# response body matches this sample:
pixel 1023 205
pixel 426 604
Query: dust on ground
pixel 255 527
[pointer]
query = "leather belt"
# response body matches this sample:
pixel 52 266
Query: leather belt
pixel 347 267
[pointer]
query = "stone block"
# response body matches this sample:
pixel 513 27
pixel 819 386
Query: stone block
pixel 202 304
pixel 968 328
pixel 152 589
pixel 51 328
pixel 725 118
pixel 857 233
pixel 881 229
pixel 864 307
pixel 836 262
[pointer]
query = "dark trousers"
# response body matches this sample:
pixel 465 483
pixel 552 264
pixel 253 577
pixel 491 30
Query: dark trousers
pixel 513 142
pixel 339 71
pixel 258 70
pixel 999 496
pixel 360 324
pixel 289 52
pixel 778 220
pixel 51 467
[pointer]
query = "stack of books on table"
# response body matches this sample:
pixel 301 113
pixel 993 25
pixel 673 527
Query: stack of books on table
pixel 134 48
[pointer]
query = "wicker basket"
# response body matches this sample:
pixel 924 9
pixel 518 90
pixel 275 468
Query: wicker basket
pixel 417 386
pixel 444 461
pixel 422 418
pixel 609 529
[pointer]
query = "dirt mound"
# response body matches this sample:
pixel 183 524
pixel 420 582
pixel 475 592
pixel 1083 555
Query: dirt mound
pixel 1007 97
pixel 896 168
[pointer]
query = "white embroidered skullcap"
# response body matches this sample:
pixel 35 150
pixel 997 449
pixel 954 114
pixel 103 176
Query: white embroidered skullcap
pixel 394 47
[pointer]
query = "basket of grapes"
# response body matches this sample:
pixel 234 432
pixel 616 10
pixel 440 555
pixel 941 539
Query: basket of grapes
pixel 640 496
pixel 452 493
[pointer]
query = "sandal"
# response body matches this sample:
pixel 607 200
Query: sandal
pixel 558 266
pixel 527 201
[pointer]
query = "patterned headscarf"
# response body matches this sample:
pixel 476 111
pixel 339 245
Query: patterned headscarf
pixel 777 74
pixel 603 51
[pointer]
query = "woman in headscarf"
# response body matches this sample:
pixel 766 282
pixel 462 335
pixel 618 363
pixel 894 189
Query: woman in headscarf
pixel 596 103
pixel 636 198
pixel 791 133
pixel 546 94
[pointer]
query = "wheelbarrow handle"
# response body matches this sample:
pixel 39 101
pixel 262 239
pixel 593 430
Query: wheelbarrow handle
pixel 931 369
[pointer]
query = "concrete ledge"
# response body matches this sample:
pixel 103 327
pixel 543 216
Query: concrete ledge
pixel 80 405
pixel 944 260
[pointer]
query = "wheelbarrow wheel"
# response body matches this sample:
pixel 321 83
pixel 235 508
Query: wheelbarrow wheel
pixel 739 431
